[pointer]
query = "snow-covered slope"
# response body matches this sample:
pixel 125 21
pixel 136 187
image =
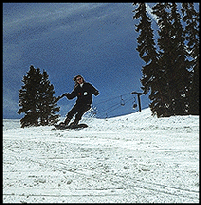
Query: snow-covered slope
pixel 134 158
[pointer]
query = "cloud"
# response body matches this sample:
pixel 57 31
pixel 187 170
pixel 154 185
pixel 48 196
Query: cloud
pixel 46 17
pixel 10 105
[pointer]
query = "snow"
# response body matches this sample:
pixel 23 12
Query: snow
pixel 136 158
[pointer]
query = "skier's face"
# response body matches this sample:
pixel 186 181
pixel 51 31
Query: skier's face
pixel 79 80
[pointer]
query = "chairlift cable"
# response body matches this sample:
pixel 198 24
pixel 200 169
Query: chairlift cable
pixel 112 98
pixel 116 105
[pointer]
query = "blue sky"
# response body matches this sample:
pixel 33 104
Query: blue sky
pixel 96 40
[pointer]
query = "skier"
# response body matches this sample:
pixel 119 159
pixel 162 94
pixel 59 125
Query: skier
pixel 83 91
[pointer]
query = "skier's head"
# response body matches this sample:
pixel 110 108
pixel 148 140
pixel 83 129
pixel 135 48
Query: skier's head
pixel 78 80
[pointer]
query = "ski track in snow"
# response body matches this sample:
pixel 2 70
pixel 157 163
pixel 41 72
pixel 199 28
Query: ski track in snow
pixel 135 158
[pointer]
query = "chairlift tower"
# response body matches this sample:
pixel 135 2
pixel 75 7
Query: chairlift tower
pixel 139 100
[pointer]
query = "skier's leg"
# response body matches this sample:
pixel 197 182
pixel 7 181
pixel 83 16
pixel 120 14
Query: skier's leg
pixel 70 114
pixel 80 113
pixel 67 120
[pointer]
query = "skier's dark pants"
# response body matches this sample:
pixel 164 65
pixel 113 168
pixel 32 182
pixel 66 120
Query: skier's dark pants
pixel 79 110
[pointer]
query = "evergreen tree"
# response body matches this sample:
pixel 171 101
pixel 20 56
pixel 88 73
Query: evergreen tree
pixel 36 99
pixel 167 70
pixel 152 73
pixel 47 106
pixel 163 61
pixel 191 18
pixel 28 97
pixel 180 103
pixel 172 59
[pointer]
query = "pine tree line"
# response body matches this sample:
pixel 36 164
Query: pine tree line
pixel 36 100
pixel 171 73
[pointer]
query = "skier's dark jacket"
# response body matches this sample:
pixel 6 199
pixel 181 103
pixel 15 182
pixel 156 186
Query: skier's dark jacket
pixel 84 94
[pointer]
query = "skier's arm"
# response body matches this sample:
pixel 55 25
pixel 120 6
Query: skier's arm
pixel 59 97
pixel 70 96
pixel 94 91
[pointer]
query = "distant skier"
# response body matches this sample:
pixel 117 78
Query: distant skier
pixel 83 91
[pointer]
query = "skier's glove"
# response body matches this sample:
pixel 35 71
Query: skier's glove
pixel 58 98
pixel 96 93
